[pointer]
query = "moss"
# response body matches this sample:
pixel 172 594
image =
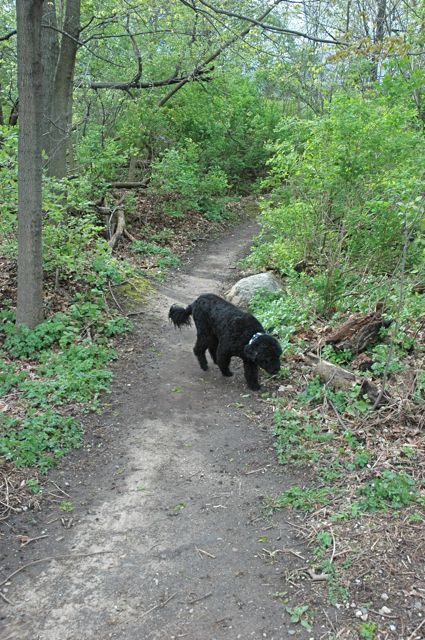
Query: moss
pixel 137 289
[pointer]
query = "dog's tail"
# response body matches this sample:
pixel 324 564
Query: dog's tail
pixel 179 315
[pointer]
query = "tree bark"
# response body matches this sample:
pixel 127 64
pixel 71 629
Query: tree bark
pixel 379 36
pixel 30 270
pixel 61 110
pixel 50 55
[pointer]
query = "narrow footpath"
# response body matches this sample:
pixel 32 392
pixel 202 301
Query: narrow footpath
pixel 168 532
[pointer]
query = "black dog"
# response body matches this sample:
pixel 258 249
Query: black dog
pixel 226 331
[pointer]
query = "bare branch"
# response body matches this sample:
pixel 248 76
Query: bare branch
pixel 269 27
pixel 137 84
pixel 217 52
pixel 7 36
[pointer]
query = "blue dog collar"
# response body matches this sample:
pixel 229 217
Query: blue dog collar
pixel 255 336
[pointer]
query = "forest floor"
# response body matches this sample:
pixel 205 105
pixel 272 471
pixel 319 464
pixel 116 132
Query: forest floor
pixel 160 526
pixel 165 532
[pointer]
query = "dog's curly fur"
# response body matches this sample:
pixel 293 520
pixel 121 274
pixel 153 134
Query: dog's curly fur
pixel 227 331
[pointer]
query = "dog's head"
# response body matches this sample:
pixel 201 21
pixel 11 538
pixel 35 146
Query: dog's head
pixel 265 351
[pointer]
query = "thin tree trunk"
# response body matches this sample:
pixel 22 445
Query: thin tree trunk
pixel 379 36
pixel 61 112
pixel 50 55
pixel 30 270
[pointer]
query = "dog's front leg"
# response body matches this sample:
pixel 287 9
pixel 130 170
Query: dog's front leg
pixel 251 375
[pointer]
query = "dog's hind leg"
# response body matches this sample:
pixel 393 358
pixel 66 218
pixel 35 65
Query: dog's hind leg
pixel 199 349
pixel 223 361
pixel 212 347
pixel 251 375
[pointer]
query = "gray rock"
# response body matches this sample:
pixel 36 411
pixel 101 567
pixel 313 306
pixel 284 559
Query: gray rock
pixel 242 292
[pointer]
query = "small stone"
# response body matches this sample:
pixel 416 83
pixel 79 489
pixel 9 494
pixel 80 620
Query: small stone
pixel 392 627
pixel 291 632
pixel 385 596
pixel 384 611
pixel 364 617
pixel 358 613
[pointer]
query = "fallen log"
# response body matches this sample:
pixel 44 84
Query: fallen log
pixel 359 332
pixel 340 378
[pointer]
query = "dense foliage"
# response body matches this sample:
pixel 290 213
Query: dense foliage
pixel 326 130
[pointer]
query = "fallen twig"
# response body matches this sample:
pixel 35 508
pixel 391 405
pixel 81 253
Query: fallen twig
pixel 25 540
pixel 160 605
pixel 5 598
pixel 52 481
pixel 205 553
pixel 207 595
pixel 412 635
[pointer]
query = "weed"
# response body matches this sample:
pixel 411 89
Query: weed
pixel 394 490
pixel 332 471
pixel 416 517
pixel 168 262
pixel 304 499
pixel 340 357
pixel 367 630
pixel 9 377
pixel 39 440
pixel 337 592
pixel 149 248
pixel 263 539
pixel 67 506
pixel 385 360
pixel 33 485
pixel 281 595
pixel 293 433
pixel 67 368
pixel 301 614
pixel 324 541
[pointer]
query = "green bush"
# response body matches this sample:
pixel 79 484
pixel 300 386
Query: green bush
pixel 179 172
pixel 344 187
pixel 39 440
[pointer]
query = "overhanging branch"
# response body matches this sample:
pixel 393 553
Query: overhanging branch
pixel 136 83
pixel 217 52
pixel 7 36
pixel 266 26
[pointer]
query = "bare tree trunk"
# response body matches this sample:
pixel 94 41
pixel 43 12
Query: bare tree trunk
pixel 30 270
pixel 50 55
pixel 14 113
pixel 1 107
pixel 379 35
pixel 61 110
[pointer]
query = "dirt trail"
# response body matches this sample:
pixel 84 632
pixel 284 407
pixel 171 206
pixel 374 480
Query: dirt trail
pixel 172 490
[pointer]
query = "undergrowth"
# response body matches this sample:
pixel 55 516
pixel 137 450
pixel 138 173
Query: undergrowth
pixel 60 365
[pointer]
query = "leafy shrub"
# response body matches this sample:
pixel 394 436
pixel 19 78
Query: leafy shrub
pixel 70 369
pixel 391 489
pixel 288 311
pixel 343 187
pixel 39 440
pixel 294 432
pixel 179 172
